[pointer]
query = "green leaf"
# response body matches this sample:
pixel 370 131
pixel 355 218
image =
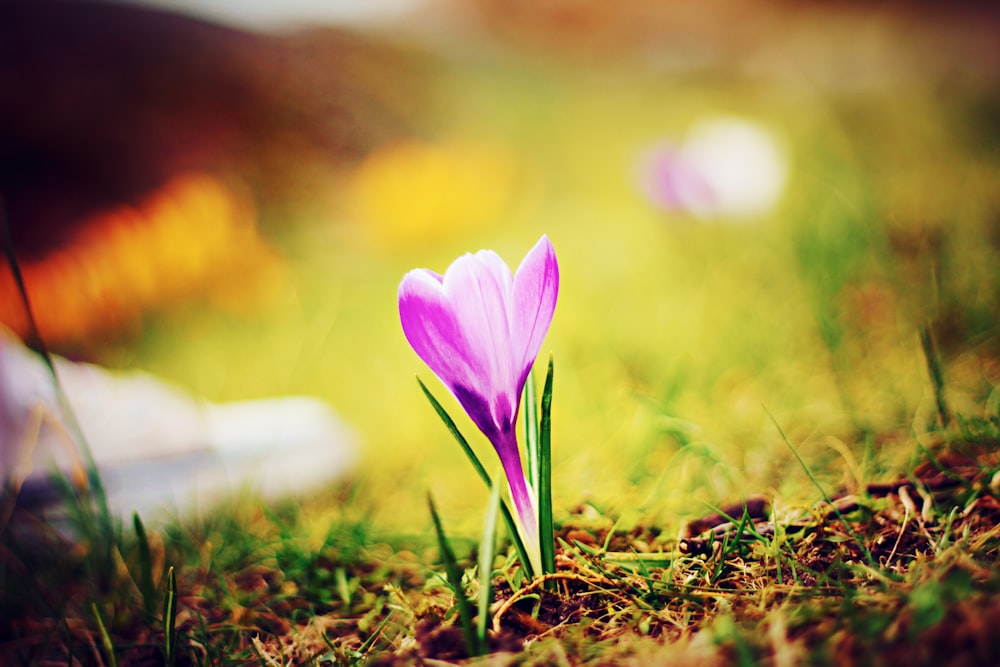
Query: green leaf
pixel 934 368
pixel 486 568
pixel 170 620
pixel 508 517
pixel 454 575
pixel 463 443
pixel 546 533
pixel 145 582
pixel 101 523
pixel 109 646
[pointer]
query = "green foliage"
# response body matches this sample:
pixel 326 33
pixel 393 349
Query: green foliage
pixel 546 535
pixel 145 575
pixel 473 643
pixel 106 643
pixel 508 516
pixel 170 620
pixel 486 554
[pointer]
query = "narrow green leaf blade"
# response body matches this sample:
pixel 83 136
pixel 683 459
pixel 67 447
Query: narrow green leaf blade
pixel 170 620
pixel 546 533
pixel 103 523
pixel 145 582
pixel 454 575
pixel 508 516
pixel 453 429
pixel 109 646
pixel 934 368
pixel 486 568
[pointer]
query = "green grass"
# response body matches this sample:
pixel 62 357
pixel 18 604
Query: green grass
pixel 690 357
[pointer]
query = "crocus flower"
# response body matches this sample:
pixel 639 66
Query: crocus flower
pixel 479 328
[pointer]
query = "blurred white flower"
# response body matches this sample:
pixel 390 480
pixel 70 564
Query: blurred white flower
pixel 159 451
pixel 269 15
pixel 726 168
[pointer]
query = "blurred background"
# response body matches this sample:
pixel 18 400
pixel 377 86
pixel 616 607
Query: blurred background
pixel 757 206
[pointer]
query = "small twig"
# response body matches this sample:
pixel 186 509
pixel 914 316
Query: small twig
pixel 908 508
pixel 721 526
pixel 536 583
pixel 586 573
pixel 924 515
pixel 754 507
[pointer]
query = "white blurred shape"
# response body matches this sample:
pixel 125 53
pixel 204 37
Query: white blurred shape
pixel 726 168
pixel 161 452
pixel 268 15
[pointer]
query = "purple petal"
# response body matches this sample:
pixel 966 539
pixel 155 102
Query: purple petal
pixel 432 329
pixel 536 288
pixel 459 325
pixel 491 414
pixel 670 180
pixel 479 328
pixel 478 289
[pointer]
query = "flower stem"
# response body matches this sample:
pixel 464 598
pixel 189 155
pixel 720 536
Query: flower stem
pixel 524 505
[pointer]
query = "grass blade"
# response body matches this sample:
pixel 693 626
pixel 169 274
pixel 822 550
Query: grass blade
pixel 454 575
pixel 374 637
pixel 826 497
pixel 486 553
pixel 145 582
pixel 546 534
pixel 170 620
pixel 453 429
pixel 515 535
pixel 109 646
pixel 933 360
pixel 104 525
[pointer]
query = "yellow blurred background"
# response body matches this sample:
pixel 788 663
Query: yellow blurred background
pixel 269 265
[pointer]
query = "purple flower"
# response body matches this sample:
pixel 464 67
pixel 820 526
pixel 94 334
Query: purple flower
pixel 670 181
pixel 726 168
pixel 479 328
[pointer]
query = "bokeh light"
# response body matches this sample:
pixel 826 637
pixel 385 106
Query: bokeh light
pixel 193 238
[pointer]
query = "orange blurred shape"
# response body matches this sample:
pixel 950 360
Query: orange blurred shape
pixel 193 236
pixel 410 191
